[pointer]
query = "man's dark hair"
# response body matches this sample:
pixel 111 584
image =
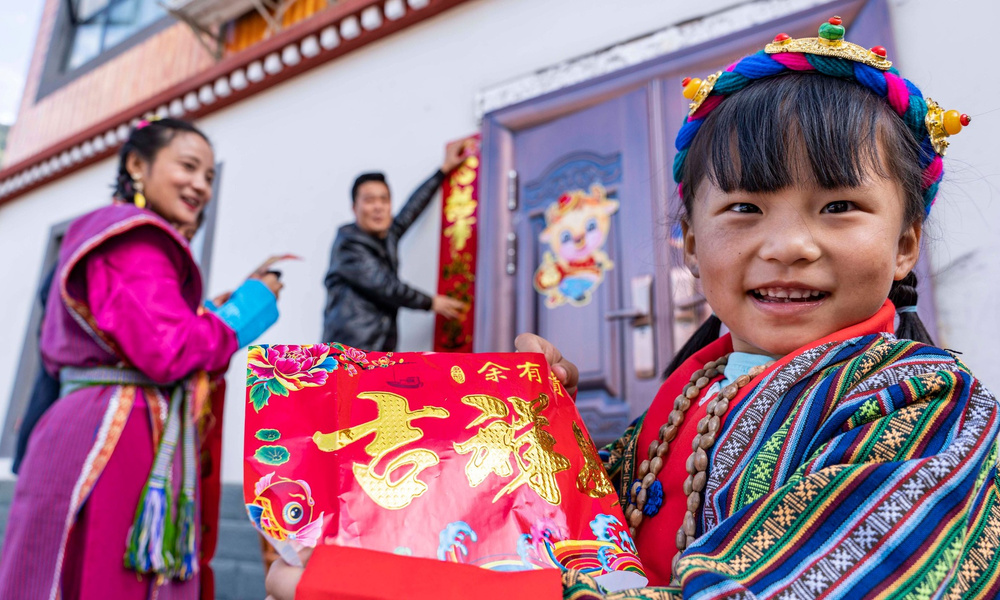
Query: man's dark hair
pixel 365 178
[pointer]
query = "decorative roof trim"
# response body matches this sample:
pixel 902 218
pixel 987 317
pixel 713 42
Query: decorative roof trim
pixel 660 43
pixel 330 34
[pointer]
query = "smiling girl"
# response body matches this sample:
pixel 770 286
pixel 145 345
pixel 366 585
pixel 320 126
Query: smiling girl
pixel 809 452
pixel 110 470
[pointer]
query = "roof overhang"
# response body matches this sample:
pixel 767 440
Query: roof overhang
pixel 330 34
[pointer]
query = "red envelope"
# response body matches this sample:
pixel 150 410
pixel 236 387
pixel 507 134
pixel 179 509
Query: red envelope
pixel 479 459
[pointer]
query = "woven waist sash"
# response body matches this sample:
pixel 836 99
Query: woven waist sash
pixel 74 378
pixel 161 541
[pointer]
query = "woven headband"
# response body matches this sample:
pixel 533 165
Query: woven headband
pixel 831 55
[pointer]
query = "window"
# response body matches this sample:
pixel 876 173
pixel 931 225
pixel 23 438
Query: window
pixel 99 25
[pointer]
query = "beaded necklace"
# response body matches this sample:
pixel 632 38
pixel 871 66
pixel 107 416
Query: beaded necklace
pixel 697 462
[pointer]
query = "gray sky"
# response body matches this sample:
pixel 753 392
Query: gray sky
pixel 19 21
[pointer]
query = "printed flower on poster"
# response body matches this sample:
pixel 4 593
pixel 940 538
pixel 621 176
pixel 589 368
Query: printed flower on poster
pixel 280 369
pixel 353 354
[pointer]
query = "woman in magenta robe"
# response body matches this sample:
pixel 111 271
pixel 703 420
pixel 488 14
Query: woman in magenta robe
pixel 132 346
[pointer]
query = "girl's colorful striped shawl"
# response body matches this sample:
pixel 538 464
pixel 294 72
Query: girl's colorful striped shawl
pixel 860 469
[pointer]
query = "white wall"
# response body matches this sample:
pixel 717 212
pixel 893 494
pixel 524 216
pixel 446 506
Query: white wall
pixel 291 153
pixel 951 65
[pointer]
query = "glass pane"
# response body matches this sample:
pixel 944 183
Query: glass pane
pixel 85 9
pixel 116 34
pixel 149 11
pixel 127 17
pixel 123 12
pixel 86 44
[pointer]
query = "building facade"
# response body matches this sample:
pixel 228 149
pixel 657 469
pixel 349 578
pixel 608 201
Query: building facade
pixel 567 94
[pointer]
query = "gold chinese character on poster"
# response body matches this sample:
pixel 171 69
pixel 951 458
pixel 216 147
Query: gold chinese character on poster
pixel 493 372
pixel 523 439
pixel 460 206
pixel 392 428
pixel 556 384
pixel 529 371
pixel 593 479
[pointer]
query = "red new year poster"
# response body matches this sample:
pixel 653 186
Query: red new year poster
pixel 479 459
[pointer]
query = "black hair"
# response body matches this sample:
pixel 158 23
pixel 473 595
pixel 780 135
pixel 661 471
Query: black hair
pixel 753 139
pixel 761 137
pixel 365 178
pixel 146 141
pixel 903 294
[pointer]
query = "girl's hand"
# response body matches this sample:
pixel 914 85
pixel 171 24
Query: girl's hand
pixel 283 578
pixel 564 370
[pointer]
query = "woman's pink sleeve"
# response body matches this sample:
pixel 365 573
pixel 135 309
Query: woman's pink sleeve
pixel 134 292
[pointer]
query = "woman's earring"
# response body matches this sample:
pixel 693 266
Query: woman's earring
pixel 138 199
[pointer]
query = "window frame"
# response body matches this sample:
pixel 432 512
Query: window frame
pixel 54 72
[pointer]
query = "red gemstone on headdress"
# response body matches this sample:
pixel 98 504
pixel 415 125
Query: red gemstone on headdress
pixel 685 82
pixel 782 37
pixel 836 21
pixel 880 50
pixel 965 120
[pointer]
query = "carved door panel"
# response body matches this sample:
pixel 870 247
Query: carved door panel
pixel 586 257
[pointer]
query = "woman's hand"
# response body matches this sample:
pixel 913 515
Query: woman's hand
pixel 271 281
pixel 283 578
pixel 564 370
pixel 222 298
pixel 262 270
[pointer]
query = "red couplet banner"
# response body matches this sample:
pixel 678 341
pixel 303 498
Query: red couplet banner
pixel 458 251
pixel 479 459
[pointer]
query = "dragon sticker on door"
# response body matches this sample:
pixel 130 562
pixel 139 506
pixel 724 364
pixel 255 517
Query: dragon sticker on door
pixel 576 228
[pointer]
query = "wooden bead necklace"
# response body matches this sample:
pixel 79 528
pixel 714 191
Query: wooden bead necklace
pixel 697 462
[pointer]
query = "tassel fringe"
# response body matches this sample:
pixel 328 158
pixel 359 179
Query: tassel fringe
pixel 163 541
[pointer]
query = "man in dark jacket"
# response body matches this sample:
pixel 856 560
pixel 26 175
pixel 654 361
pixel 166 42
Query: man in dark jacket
pixel 364 292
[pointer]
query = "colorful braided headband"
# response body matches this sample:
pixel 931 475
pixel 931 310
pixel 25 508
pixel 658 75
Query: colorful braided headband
pixel 831 55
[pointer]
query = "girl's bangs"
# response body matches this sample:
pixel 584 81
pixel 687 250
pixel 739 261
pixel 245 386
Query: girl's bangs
pixel 799 127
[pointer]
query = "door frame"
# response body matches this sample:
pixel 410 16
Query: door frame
pixel 495 329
